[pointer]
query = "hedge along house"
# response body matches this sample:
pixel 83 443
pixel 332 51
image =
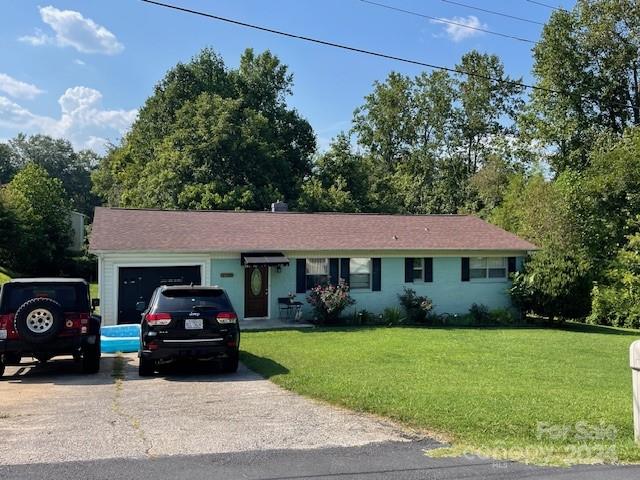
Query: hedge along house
pixel 260 257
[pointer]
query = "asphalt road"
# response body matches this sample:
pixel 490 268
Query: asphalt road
pixel 57 424
pixel 388 460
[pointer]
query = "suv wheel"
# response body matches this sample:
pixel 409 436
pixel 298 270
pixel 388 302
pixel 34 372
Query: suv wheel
pixel 91 357
pixel 146 367
pixel 230 364
pixel 39 320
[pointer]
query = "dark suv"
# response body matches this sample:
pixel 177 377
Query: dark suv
pixel 46 317
pixel 189 322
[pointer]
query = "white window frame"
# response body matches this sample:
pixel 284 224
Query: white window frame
pixel 420 269
pixel 370 273
pixel 486 267
pixel 307 274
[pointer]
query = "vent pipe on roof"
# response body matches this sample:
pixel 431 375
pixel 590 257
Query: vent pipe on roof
pixel 279 206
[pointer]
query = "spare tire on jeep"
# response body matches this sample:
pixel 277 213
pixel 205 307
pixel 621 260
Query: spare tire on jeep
pixel 39 320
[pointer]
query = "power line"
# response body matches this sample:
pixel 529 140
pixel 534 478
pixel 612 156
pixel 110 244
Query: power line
pixel 493 12
pixel 373 53
pixel 450 22
pixel 547 5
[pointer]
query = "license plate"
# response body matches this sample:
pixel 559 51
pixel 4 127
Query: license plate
pixel 193 324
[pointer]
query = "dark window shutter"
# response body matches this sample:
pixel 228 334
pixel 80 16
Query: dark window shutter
pixel 301 275
pixel 408 270
pixel 333 270
pixel 428 269
pixel 376 274
pixel 344 269
pixel 465 269
pixel 511 263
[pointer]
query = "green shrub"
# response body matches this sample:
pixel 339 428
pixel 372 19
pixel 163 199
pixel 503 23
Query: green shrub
pixel 502 316
pixel 329 301
pixel 416 307
pixel 554 283
pixel 479 314
pixel 617 301
pixel 393 316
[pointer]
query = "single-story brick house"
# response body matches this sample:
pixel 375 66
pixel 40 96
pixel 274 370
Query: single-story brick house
pixel 261 257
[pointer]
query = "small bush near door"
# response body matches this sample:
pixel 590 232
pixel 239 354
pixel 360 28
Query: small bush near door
pixel 329 301
pixel 417 307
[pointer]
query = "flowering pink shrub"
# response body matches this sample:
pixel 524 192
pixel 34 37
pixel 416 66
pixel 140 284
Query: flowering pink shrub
pixel 328 301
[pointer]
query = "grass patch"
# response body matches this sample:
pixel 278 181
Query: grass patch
pixel 533 395
pixel 5 275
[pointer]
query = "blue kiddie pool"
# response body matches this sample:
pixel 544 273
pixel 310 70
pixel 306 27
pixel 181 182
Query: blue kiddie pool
pixel 120 338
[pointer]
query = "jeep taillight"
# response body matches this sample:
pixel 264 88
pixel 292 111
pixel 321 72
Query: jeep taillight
pixel 76 320
pixel 5 322
pixel 158 319
pixel 227 317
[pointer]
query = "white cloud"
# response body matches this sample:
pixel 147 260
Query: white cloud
pixel 37 39
pixel 461 27
pixel 17 89
pixel 73 30
pixel 77 61
pixel 83 120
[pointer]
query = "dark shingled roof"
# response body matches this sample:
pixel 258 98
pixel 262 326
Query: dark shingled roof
pixel 117 229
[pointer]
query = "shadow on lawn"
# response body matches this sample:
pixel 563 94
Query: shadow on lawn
pixel 568 326
pixel 264 366
pixel 585 328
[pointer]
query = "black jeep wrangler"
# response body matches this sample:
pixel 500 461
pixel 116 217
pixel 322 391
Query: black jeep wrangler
pixel 45 317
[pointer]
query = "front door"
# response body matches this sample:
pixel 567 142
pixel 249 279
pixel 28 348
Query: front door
pixel 256 293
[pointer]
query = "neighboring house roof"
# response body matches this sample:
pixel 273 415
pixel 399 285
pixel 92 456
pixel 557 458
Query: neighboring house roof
pixel 117 229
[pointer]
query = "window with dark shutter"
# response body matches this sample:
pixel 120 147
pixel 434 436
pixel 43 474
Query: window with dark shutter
pixel 465 269
pixel 408 270
pixel 344 269
pixel 360 273
pixel 317 272
pixel 428 269
pixel 511 264
pixel 301 275
pixel 376 274
pixel 334 265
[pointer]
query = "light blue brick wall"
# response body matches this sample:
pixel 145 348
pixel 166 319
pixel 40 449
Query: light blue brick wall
pixel 448 292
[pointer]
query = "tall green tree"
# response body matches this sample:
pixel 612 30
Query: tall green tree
pixel 41 210
pixel 61 161
pixel 212 137
pixel 8 166
pixel 426 137
pixel 616 299
pixel 339 182
pixel 590 54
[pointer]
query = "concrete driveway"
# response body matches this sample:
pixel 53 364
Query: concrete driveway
pixel 51 413
pixel 58 424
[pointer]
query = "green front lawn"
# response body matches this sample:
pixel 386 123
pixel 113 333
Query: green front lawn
pixel 494 392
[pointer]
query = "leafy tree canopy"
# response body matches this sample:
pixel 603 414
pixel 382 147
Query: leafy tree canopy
pixel 212 137
pixel 426 137
pixel 591 53
pixel 41 211
pixel 59 159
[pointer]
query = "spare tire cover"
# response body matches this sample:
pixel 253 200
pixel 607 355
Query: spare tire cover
pixel 39 320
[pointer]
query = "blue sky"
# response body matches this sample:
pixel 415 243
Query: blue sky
pixel 81 69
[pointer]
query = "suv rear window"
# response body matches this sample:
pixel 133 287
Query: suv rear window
pixel 181 300
pixel 72 297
